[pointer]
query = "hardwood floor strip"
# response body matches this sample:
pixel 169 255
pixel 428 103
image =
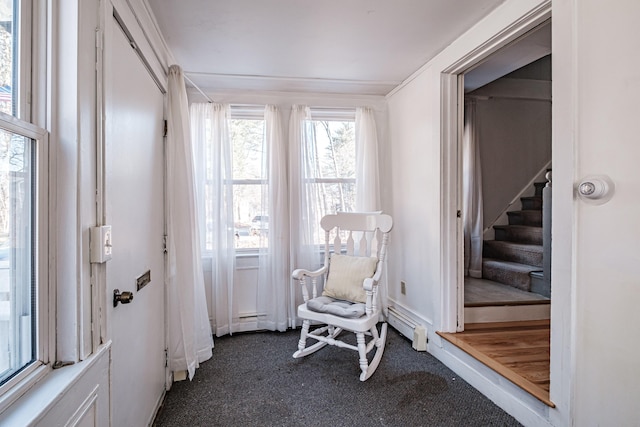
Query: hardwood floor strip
pixel 524 358
pixel 496 326
pixel 519 351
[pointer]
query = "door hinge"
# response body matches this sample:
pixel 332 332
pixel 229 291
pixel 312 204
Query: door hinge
pixel 164 243
pixel 166 129
pixel 99 38
pixel 459 213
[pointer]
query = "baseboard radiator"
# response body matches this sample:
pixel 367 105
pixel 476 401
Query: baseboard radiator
pixel 408 327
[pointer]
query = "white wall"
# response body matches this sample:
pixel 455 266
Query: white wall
pixel 415 195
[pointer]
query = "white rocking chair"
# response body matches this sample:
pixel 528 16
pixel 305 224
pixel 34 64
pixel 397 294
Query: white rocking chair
pixel 351 299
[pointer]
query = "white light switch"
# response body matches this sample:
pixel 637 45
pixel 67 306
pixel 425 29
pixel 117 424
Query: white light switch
pixel 100 241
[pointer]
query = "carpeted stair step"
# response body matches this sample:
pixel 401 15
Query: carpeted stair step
pixel 519 234
pixel 533 203
pixel 510 273
pixel 525 217
pixel 514 252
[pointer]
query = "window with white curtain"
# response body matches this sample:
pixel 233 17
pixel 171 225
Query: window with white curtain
pixel 333 171
pixel 262 195
pixel 333 165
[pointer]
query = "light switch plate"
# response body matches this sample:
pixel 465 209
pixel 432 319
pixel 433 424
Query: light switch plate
pixel 101 244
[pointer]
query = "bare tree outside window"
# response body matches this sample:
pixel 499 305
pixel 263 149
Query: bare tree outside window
pixel 333 175
pixel 249 182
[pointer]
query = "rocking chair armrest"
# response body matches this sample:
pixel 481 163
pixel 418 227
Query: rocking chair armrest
pixel 301 273
pixel 369 283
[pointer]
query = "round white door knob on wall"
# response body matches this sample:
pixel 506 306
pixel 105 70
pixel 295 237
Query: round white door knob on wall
pixel 596 189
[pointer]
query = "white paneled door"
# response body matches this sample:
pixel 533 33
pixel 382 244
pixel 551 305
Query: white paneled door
pixel 134 164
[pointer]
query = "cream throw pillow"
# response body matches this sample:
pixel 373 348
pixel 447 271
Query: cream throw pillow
pixel 346 275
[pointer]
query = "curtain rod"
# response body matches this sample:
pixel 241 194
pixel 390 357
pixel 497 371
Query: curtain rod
pixel 197 88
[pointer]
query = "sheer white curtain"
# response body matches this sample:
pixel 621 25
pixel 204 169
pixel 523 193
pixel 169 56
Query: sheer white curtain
pixel 367 171
pixel 472 193
pixel 304 199
pixel 368 175
pixel 190 340
pixel 213 148
pixel 274 272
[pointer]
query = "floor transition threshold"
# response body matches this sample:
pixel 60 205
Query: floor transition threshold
pixel 519 351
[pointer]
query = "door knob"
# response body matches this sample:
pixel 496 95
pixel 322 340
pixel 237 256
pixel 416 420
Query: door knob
pixel 596 189
pixel 125 297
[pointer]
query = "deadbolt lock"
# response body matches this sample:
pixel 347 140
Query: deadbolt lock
pixel 125 297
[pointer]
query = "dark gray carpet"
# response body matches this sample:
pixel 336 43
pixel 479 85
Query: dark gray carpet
pixel 252 380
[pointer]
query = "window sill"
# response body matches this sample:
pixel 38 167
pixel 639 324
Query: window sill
pixel 244 254
pixel 42 395
pixel 22 384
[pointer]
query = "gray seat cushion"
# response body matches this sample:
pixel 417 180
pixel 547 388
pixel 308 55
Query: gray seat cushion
pixel 336 307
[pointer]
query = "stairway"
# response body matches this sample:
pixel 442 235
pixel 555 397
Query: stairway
pixel 517 250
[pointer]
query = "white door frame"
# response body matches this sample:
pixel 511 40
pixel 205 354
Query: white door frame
pixel 452 116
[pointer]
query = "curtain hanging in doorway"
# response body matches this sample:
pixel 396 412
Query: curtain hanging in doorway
pixel 472 193
pixel 190 340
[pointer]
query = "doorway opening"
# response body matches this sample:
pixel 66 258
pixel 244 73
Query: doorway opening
pixel 505 151
pixel 497 152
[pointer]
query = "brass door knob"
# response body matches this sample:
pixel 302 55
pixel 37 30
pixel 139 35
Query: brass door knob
pixel 125 297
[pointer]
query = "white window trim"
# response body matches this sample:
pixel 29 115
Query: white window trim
pixel 32 116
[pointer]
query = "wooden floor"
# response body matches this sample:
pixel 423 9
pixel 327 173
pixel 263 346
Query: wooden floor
pixel 519 351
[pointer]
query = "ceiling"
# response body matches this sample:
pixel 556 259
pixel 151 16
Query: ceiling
pixel 333 46
pixel 530 47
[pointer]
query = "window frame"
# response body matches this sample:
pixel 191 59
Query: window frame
pixel 31 97
pixel 256 112
pixel 45 308
pixel 334 115
pixel 248 112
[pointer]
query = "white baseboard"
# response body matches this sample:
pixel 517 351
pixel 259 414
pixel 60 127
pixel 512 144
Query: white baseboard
pixel 408 325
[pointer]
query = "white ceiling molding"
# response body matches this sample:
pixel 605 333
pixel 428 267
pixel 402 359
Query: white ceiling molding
pixel 216 82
